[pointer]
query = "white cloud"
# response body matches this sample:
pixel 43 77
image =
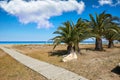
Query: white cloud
pixel 107 2
pixel 103 2
pixel 40 11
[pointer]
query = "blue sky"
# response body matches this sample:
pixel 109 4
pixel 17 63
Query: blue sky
pixel 35 20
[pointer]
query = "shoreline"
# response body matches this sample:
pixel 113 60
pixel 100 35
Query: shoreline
pixel 43 42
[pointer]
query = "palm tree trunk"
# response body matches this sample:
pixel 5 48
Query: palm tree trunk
pixel 76 48
pixel 98 44
pixel 110 44
pixel 69 48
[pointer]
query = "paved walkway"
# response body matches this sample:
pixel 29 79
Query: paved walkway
pixel 48 70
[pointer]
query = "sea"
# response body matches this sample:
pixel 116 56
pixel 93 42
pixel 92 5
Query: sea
pixel 43 42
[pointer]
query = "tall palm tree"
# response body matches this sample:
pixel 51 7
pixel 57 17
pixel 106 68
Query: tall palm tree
pixel 98 24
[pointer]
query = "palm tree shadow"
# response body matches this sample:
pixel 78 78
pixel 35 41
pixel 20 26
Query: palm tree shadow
pixel 58 53
pixel 117 46
pixel 116 70
pixel 91 49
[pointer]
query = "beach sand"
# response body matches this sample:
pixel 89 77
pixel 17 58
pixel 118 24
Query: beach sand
pixel 94 65
pixel 10 69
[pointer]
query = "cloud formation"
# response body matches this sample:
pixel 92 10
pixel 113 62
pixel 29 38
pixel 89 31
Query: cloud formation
pixel 103 2
pixel 40 11
pixel 107 2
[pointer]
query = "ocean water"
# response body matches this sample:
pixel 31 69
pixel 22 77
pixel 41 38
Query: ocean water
pixel 26 42
pixel 42 42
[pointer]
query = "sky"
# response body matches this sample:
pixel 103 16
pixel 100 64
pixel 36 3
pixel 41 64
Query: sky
pixel 36 20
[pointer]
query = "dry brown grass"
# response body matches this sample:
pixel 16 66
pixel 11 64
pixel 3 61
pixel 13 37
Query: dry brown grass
pixel 91 64
pixel 10 69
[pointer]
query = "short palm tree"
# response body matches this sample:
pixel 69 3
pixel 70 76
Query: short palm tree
pixel 98 24
pixel 65 35
pixel 71 35
pixel 82 31
pixel 112 30
pixel 112 33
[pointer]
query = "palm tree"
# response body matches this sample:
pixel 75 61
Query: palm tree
pixel 82 32
pixel 71 35
pixel 112 30
pixel 112 33
pixel 65 35
pixel 98 25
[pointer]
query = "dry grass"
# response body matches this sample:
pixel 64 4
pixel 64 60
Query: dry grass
pixel 93 65
pixel 10 69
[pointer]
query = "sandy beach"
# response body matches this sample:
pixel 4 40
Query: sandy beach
pixel 91 64
pixel 10 69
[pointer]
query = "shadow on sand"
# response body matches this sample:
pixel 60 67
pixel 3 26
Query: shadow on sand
pixel 58 53
pixel 116 70
pixel 91 49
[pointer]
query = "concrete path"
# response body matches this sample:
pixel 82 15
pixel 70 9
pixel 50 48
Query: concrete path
pixel 50 71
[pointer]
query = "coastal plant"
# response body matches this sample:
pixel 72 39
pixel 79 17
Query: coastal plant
pixel 112 30
pixel 71 34
pixel 82 32
pixel 98 24
pixel 112 33
pixel 65 35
